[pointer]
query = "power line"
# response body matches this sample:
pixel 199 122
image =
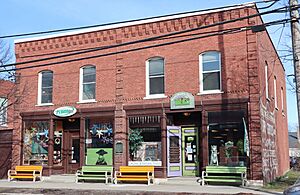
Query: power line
pixel 118 52
pixel 273 3
pixel 148 39
pixel 227 31
pixel 122 22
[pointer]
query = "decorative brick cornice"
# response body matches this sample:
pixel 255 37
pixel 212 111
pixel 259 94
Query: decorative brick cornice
pixel 109 36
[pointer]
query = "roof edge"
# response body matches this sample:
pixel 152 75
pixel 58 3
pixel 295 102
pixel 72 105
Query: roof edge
pixel 136 22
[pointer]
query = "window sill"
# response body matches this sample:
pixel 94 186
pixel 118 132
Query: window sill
pixel 86 101
pixel 210 92
pixel 46 104
pixel 157 96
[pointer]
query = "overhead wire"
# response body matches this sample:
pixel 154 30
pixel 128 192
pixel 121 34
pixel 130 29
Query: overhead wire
pixel 122 22
pixel 147 39
pixel 226 31
pixel 106 24
pixel 268 6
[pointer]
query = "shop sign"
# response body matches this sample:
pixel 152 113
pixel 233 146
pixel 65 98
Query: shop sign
pixel 65 111
pixel 145 163
pixel 182 100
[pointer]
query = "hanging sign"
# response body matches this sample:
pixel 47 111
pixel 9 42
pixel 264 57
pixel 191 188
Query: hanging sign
pixel 65 111
pixel 182 100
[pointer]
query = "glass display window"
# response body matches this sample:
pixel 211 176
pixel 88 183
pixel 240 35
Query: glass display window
pixel 99 142
pixel 36 138
pixel 228 139
pixel 148 150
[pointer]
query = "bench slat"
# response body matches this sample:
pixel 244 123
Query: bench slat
pixel 133 179
pixel 224 180
pixel 221 176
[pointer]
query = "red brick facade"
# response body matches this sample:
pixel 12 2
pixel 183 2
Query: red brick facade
pixel 121 80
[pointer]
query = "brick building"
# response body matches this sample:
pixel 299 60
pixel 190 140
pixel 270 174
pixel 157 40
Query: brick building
pixel 6 125
pixel 192 84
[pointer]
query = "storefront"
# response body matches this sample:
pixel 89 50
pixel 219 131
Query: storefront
pixel 63 143
pixel 178 138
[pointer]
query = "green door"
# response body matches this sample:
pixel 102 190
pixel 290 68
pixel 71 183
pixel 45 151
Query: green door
pixel 190 151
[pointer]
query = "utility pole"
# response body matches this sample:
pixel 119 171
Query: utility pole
pixel 294 14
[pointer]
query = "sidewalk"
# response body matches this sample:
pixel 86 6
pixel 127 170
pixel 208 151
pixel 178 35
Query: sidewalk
pixel 67 185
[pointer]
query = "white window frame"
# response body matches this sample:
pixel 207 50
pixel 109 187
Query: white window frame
pixel 275 93
pixel 153 96
pixel 81 100
pixel 267 82
pixel 201 72
pixel 3 110
pixel 282 99
pixel 39 98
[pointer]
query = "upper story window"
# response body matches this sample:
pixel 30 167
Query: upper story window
pixel 282 99
pixel 210 72
pixel 155 77
pixel 87 83
pixel 3 111
pixel 266 81
pixel 45 87
pixel 275 93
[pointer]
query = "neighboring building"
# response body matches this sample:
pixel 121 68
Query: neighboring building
pixel 184 96
pixel 294 145
pixel 6 125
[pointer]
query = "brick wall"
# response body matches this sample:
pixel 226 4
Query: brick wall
pixel 121 78
pixel 274 119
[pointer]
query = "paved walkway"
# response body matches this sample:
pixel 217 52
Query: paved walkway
pixel 66 185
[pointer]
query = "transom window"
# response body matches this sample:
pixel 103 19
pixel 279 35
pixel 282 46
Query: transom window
pixel 45 87
pixel 156 76
pixel 3 111
pixel 88 83
pixel 210 71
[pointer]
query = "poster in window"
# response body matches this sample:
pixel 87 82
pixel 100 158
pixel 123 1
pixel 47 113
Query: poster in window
pixel 101 135
pixel 99 156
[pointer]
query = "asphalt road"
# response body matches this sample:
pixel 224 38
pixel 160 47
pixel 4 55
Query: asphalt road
pixel 30 191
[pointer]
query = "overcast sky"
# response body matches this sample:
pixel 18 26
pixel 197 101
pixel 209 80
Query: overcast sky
pixel 23 16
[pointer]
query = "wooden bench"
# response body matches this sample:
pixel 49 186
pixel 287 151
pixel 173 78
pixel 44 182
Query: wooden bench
pixel 224 174
pixel 95 173
pixel 25 172
pixel 135 173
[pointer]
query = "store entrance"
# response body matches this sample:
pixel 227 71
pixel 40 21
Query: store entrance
pixel 183 144
pixel 72 151
pixel 70 129
pixel 189 151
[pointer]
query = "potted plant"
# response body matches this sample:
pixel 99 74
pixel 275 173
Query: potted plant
pixel 135 142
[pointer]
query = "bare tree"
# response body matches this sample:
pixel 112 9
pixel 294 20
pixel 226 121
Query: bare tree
pixel 7 80
pixel 7 56
pixel 11 94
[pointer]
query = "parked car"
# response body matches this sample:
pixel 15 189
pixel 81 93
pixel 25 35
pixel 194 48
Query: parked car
pixel 294 189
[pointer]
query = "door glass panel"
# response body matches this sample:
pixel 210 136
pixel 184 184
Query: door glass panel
pixel 174 150
pixel 75 151
pixel 57 148
pixel 190 149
